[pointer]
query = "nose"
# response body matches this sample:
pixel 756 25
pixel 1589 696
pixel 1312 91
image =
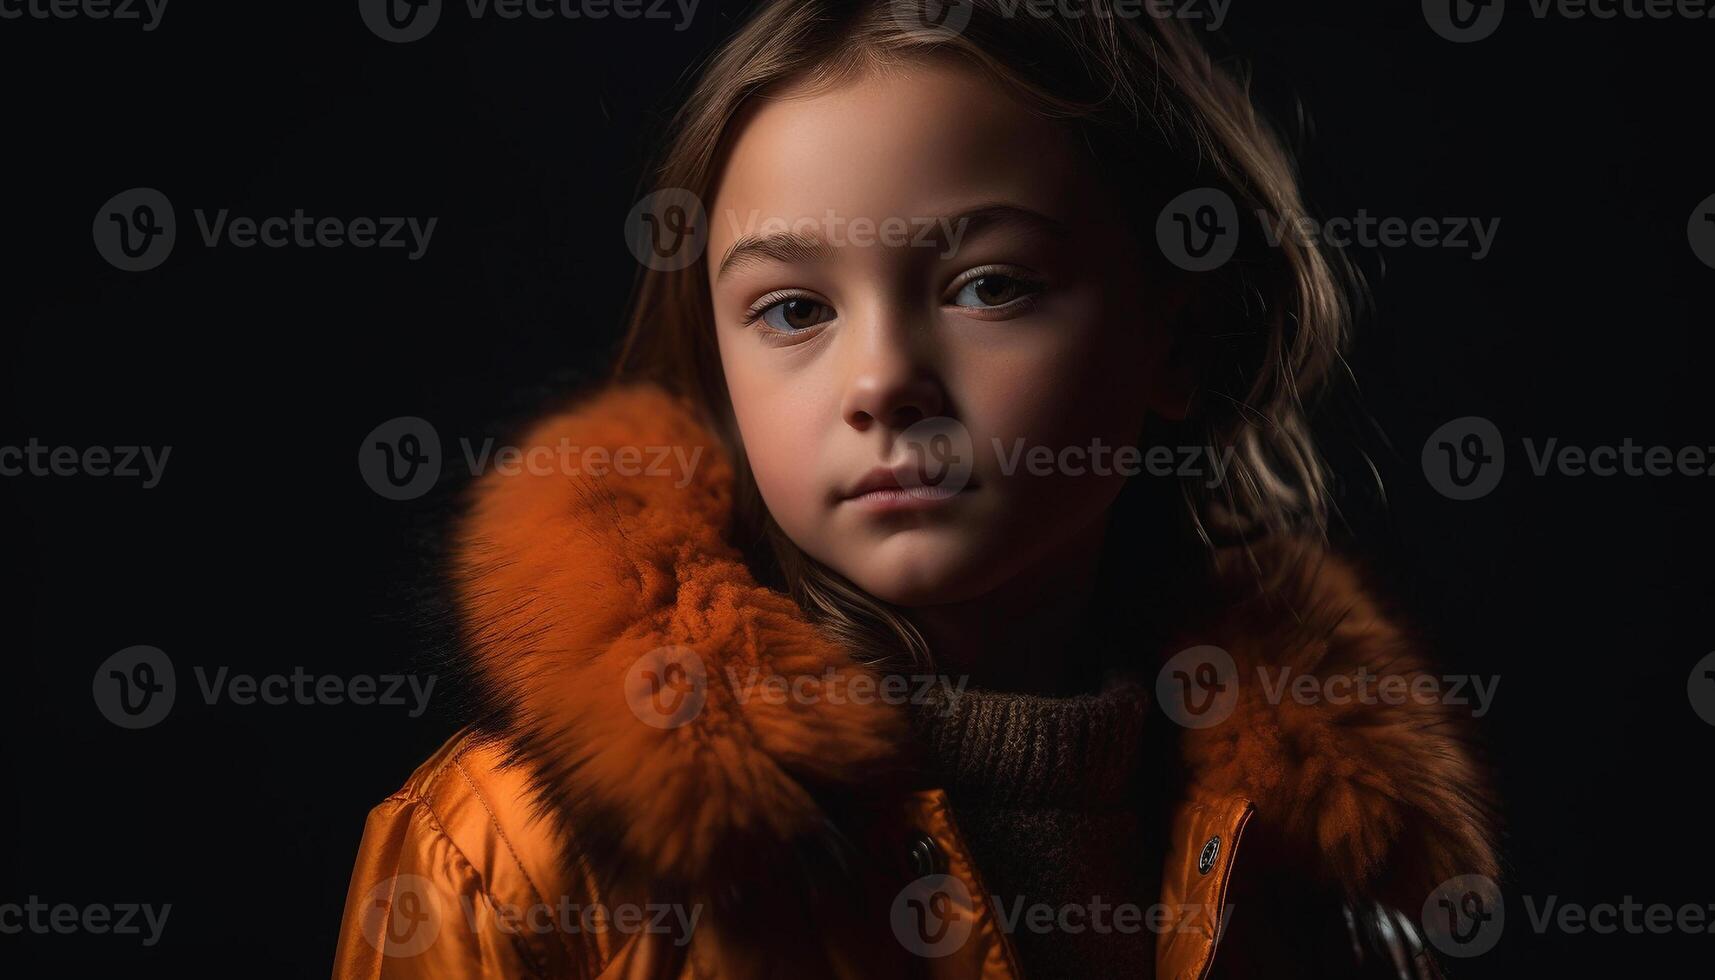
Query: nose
pixel 892 382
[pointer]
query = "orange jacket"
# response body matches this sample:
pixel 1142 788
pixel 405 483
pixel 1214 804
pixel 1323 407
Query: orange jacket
pixel 619 810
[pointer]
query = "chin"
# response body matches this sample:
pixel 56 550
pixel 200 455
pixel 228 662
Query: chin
pixel 922 567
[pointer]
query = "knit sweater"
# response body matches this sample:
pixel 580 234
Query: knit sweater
pixel 1046 792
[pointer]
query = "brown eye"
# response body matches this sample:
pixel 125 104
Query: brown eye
pixel 794 315
pixel 992 290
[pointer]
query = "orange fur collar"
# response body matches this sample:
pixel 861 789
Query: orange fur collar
pixel 566 581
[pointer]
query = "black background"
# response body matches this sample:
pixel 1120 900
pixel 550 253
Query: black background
pixel 263 369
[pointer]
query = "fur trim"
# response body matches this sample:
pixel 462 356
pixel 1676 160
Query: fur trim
pixel 1375 787
pixel 565 582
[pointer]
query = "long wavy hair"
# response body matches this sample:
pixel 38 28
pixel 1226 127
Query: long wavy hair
pixel 1158 116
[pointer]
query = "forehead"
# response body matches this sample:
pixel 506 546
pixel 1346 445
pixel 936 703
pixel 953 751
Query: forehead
pixel 917 141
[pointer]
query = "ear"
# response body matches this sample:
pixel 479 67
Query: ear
pixel 1176 357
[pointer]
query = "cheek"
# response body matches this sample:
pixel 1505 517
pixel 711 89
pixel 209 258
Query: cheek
pixel 781 457
pixel 1072 378
pixel 782 435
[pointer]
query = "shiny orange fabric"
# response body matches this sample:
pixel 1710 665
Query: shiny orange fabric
pixel 457 844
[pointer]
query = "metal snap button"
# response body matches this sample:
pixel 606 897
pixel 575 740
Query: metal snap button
pixel 925 857
pixel 1211 851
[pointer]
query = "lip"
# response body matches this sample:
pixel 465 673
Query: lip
pixel 883 490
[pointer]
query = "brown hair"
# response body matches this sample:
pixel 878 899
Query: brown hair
pixel 1145 98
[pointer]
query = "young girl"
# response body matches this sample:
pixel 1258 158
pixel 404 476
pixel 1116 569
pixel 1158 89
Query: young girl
pixel 939 588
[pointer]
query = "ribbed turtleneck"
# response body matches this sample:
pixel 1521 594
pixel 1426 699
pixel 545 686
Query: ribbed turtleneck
pixel 1044 791
pixel 1028 748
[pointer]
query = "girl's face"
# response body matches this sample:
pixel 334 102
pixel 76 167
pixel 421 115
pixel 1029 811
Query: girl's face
pixel 934 329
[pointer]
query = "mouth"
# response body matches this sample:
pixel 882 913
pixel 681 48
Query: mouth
pixel 884 490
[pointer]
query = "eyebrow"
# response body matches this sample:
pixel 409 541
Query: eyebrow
pixel 792 246
pixel 786 246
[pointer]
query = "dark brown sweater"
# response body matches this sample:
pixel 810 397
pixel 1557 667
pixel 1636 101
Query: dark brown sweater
pixel 1045 791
